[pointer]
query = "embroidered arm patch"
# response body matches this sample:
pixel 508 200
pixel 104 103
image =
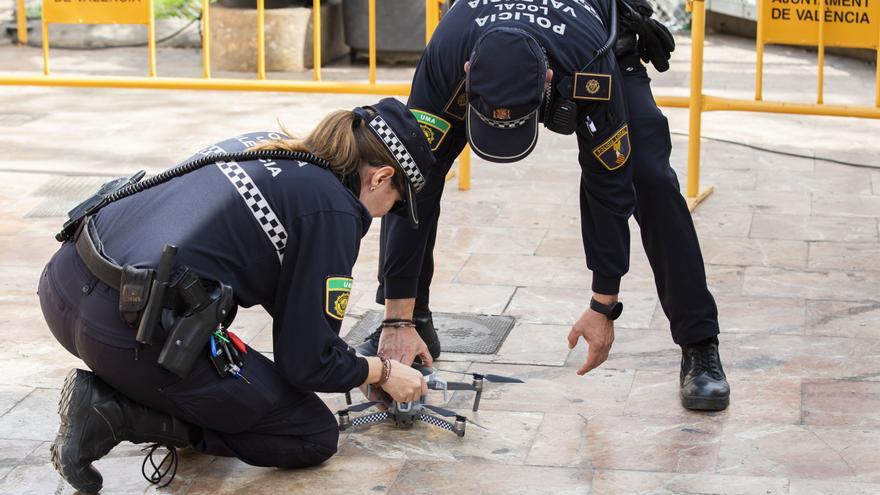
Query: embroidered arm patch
pixel 433 127
pixel 614 152
pixel 336 292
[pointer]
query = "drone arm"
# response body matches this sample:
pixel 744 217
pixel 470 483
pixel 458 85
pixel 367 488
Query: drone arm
pixel 367 419
pixel 457 428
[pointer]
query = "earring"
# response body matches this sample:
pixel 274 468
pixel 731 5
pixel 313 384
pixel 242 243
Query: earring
pixel 373 188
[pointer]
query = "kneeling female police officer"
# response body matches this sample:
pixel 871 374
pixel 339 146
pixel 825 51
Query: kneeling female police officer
pixel 282 234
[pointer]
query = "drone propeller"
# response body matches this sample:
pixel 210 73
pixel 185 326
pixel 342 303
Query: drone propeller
pixel 499 378
pixel 362 406
pixel 488 377
pixel 451 386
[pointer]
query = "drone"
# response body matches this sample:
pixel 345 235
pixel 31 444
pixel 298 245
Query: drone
pixel 405 414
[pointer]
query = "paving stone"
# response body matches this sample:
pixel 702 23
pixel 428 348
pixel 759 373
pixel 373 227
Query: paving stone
pixel 724 224
pixel 814 228
pixel 847 205
pixel 342 474
pixel 560 441
pixel 506 441
pixel 844 256
pixel 804 356
pixel 784 451
pixel 768 400
pixel 492 240
pixel 652 444
pixel 834 285
pixel 761 315
pixel 536 215
pixel 857 447
pixel 13 452
pixel 549 389
pixel 535 344
pixel 534 271
pixel 844 319
pixel 10 395
pixel 754 252
pixel 842 403
pixel 484 477
pixel 33 418
pixel 610 482
pixel 814 487
pixel 782 203
pixel 827 179
pixel 564 306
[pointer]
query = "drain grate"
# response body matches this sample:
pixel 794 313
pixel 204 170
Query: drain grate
pixel 470 334
pixel 63 193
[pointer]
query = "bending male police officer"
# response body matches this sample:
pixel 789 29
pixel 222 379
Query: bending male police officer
pixel 491 72
pixel 280 233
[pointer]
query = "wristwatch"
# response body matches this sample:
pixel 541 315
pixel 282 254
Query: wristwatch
pixel 611 311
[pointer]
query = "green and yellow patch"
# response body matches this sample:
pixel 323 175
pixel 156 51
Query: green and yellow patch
pixel 337 290
pixel 433 127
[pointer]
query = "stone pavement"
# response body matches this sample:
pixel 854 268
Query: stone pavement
pixel 791 250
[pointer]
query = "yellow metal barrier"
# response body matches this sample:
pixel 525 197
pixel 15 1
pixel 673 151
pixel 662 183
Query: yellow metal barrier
pixel 697 102
pixel 21 21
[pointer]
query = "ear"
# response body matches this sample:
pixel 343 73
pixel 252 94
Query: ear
pixel 467 66
pixel 381 174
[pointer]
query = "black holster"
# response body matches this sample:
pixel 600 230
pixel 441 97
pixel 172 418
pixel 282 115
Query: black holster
pixel 205 311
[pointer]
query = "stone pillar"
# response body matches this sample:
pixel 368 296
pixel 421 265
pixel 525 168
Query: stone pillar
pixel 288 38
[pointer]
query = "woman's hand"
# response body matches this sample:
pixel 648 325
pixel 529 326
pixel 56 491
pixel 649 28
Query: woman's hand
pixel 405 384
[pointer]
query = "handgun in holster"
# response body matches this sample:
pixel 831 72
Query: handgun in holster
pixel 204 309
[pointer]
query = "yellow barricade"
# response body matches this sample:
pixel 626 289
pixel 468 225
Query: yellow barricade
pixel 821 23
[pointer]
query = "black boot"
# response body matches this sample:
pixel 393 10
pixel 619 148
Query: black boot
pixel 94 419
pixel 424 327
pixel 703 383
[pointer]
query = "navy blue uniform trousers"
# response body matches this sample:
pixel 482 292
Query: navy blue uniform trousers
pixel 264 423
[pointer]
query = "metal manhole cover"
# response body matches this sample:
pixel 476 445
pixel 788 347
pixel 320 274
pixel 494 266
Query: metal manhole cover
pixel 470 334
pixel 63 193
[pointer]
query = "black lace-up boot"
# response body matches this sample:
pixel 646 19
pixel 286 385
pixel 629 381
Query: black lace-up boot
pixel 95 418
pixel 424 327
pixel 703 383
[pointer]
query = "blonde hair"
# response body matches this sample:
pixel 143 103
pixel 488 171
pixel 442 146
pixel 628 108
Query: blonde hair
pixel 345 145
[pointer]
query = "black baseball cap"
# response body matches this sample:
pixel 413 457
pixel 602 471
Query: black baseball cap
pixel 505 88
pixel 400 132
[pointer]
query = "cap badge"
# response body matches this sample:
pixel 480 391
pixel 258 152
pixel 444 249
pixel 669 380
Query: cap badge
pixel 501 113
pixel 593 86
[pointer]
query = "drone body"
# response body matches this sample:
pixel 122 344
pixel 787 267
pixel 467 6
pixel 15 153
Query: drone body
pixel 405 414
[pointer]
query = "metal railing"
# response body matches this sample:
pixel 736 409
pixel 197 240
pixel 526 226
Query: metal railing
pixel 697 103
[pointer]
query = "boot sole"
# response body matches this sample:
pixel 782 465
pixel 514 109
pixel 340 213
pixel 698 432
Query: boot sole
pixel 69 398
pixel 705 403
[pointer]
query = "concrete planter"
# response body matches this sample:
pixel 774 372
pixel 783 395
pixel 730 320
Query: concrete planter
pixel 288 38
pixel 400 28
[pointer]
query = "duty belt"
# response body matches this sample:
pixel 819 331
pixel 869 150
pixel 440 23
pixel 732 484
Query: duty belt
pixel 108 272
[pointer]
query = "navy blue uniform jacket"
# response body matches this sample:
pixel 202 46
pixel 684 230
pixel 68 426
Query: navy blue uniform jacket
pixel 274 231
pixel 571 31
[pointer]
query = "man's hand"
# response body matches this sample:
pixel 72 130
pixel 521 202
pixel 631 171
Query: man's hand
pixel 404 344
pixel 598 331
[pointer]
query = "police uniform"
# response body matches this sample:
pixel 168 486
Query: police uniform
pixel 283 235
pixel 624 154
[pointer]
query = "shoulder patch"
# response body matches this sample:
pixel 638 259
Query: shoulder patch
pixel 433 127
pixel 336 292
pixel 457 105
pixel 614 152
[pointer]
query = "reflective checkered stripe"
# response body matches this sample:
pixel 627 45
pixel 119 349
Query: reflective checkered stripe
pixel 401 154
pixel 431 420
pixel 370 418
pixel 257 205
